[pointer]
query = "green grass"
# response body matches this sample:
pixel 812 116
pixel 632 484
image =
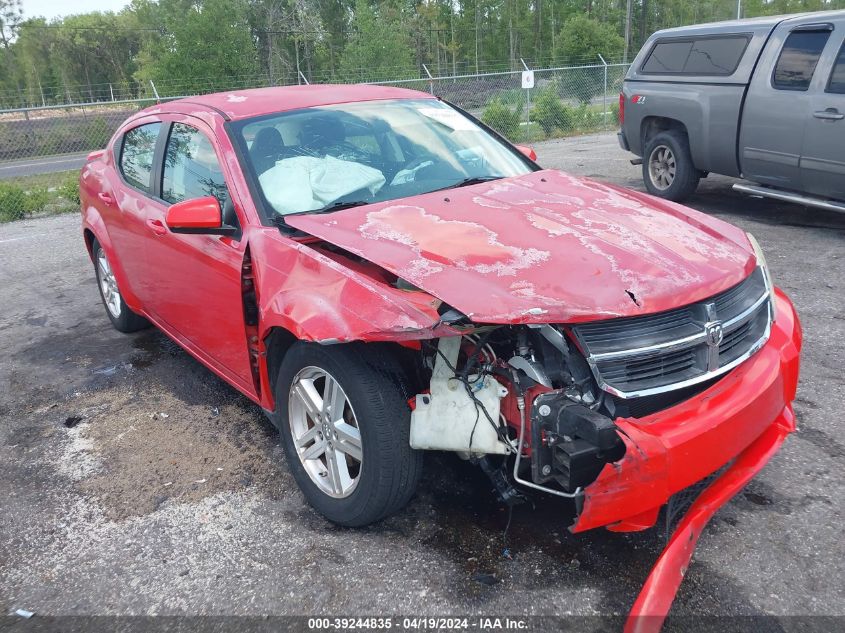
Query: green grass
pixel 39 194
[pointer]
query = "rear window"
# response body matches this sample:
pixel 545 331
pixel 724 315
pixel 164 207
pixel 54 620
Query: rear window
pixel 136 157
pixel 696 56
pixel 837 77
pixel 798 59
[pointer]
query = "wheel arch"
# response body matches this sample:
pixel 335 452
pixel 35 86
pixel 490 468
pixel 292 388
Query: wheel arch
pixel 653 125
pixel 395 360
pixel 277 342
pixel 89 237
pixel 696 136
pixel 93 228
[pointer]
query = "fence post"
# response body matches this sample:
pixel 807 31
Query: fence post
pixel 430 79
pixel 155 92
pixel 528 106
pixel 304 78
pixel 604 97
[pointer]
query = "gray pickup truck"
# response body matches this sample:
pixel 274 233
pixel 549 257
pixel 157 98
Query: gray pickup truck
pixel 761 99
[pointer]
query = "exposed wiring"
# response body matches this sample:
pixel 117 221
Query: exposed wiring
pixel 486 350
pixel 474 425
pixel 501 432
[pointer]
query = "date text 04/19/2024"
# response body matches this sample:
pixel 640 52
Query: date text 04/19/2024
pixel 480 623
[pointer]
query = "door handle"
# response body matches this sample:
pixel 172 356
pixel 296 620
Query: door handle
pixel 157 227
pixel 106 198
pixel 831 114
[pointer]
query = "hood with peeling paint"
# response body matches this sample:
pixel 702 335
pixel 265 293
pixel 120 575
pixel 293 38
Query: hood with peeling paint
pixel 544 247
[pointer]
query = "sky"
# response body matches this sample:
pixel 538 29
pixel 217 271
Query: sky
pixel 59 8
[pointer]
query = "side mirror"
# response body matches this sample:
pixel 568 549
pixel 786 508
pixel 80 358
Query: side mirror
pixel 527 151
pixel 198 215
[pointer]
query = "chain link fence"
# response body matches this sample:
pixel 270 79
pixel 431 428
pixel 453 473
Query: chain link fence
pixel 43 148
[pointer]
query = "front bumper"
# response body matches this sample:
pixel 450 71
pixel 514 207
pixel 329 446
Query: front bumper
pixel 672 449
pixel 658 592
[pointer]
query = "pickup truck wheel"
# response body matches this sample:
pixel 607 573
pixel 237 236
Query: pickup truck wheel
pixel 122 318
pixel 345 429
pixel 668 170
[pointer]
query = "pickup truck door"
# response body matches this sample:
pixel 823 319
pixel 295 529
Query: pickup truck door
pixel 823 155
pixel 779 104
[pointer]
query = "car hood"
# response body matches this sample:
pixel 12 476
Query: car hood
pixel 544 247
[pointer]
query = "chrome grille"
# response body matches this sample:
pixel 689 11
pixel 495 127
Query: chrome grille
pixel 640 356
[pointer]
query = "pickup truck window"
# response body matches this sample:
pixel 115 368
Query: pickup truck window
pixel 798 59
pixel 696 56
pixel 837 76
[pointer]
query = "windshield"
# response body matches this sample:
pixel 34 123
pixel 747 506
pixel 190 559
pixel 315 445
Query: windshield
pixel 324 158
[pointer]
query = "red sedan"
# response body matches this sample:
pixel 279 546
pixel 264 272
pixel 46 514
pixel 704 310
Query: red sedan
pixel 383 275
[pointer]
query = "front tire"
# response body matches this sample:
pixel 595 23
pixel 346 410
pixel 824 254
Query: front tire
pixel 345 429
pixel 668 170
pixel 122 318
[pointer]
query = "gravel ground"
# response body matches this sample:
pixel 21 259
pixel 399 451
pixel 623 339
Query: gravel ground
pixel 135 482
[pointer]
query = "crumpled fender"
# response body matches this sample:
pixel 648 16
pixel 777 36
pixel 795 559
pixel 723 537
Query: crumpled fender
pixel 317 298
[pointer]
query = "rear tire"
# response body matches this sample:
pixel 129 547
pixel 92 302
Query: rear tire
pixel 352 459
pixel 122 318
pixel 668 170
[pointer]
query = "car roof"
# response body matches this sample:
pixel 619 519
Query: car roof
pixel 242 104
pixel 735 26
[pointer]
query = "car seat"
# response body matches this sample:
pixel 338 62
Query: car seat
pixel 266 149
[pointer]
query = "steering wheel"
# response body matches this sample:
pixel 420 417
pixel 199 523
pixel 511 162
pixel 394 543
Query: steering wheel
pixel 417 162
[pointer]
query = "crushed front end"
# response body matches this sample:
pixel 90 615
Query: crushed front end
pixel 617 414
pixel 621 414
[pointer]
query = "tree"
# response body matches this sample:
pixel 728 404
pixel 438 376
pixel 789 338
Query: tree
pixel 188 46
pixel 379 46
pixel 94 50
pixel 583 39
pixel 11 16
pixel 204 45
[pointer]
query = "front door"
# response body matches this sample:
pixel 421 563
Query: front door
pixel 823 157
pixel 194 279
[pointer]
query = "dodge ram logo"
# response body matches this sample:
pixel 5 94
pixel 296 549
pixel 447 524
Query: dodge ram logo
pixel 714 333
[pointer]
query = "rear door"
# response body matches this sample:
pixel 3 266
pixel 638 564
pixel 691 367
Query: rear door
pixel 124 205
pixel 779 104
pixel 823 156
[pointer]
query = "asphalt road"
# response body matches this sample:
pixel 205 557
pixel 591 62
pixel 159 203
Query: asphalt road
pixel 44 165
pixel 135 482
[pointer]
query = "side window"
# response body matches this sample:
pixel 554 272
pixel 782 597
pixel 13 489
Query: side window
pixel 191 169
pixel 716 55
pixel 696 56
pixel 797 62
pixel 837 77
pixel 136 155
pixel 667 57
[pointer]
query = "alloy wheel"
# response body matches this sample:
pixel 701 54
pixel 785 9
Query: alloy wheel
pixel 108 284
pixel 661 167
pixel 325 432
